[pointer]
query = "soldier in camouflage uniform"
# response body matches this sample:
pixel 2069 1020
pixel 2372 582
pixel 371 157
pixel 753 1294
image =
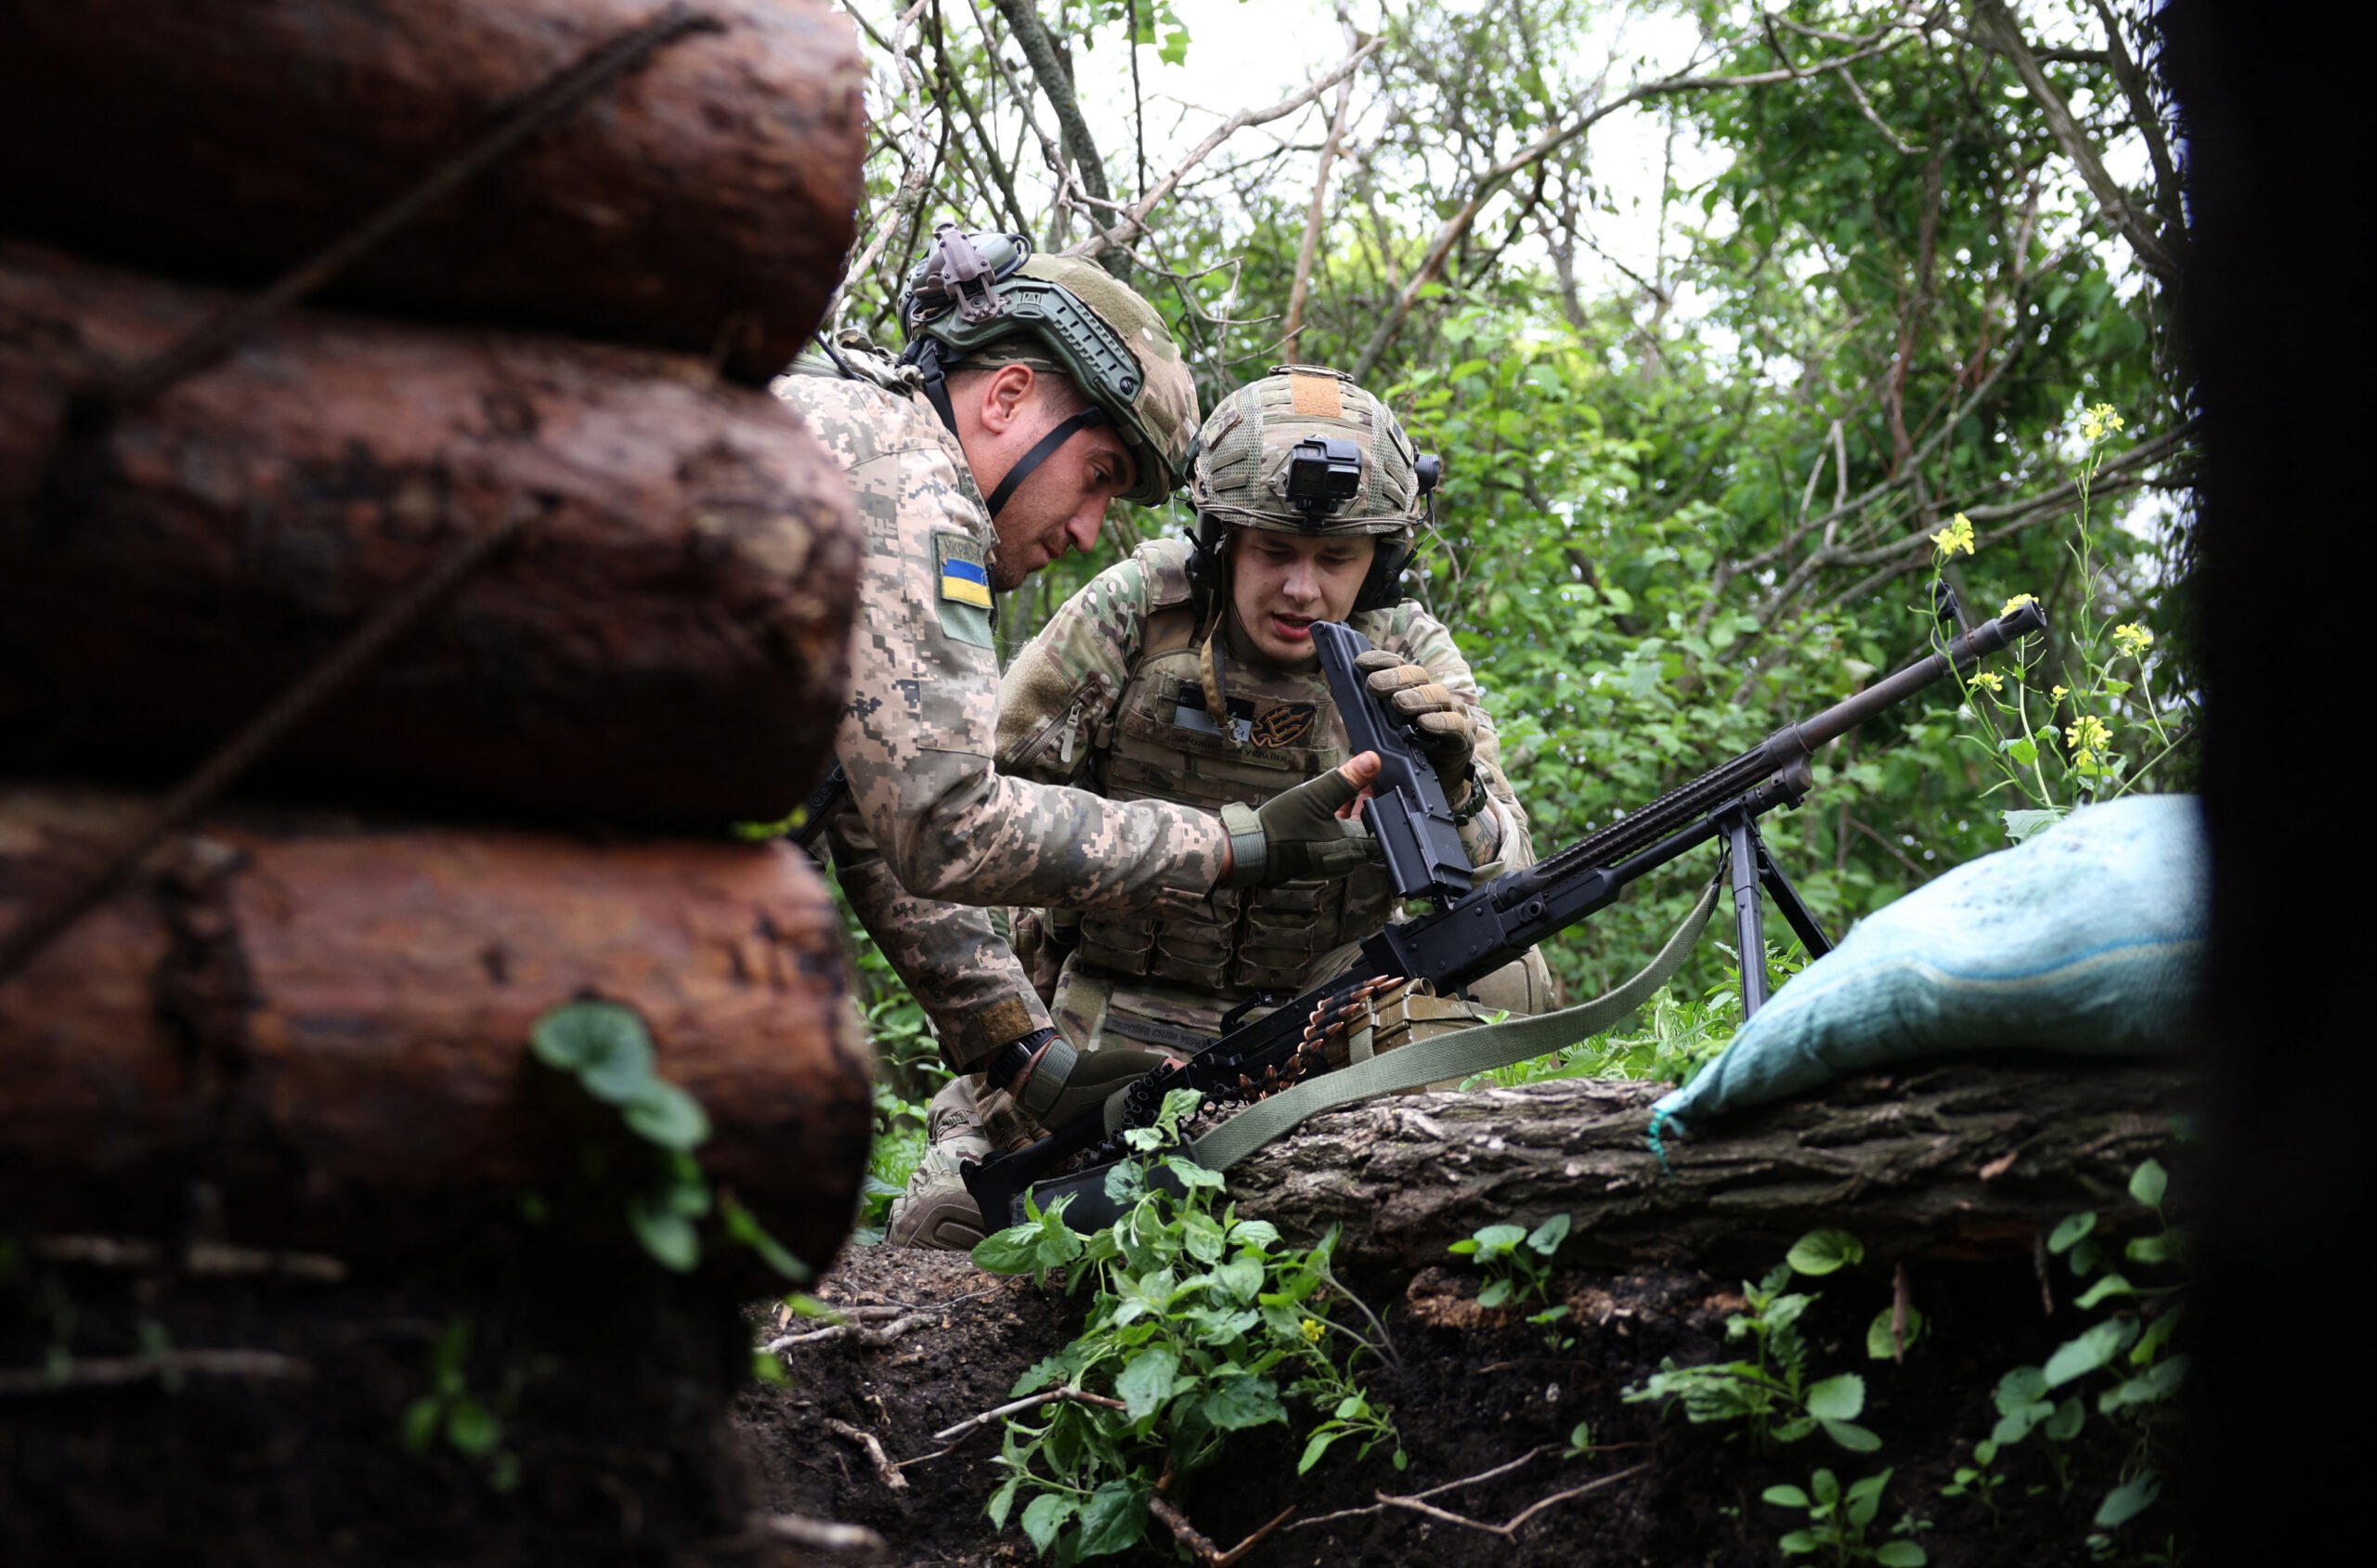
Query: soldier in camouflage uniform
pixel 1060 388
pixel 1186 674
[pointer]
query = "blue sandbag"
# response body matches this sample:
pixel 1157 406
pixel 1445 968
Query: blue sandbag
pixel 2088 938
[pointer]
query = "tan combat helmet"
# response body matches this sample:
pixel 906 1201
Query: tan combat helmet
pixel 1306 452
pixel 987 297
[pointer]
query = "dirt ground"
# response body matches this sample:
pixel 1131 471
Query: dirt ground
pixel 631 1431
pixel 610 1394
pixel 1478 1391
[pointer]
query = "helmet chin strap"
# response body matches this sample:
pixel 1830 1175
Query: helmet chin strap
pixel 1042 450
pixel 927 355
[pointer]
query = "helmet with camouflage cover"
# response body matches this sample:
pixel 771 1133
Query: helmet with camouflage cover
pixel 1305 450
pixel 988 297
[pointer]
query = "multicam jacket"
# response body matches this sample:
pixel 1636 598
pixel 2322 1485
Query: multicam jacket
pixel 1117 693
pixel 931 826
pixel 1112 693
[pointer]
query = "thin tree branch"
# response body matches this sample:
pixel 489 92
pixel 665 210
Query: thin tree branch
pixel 1301 288
pixel 1134 221
pixel 1057 86
pixel 1450 233
pixel 2005 36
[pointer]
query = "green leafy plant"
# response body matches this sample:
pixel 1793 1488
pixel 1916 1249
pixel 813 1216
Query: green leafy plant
pixel 891 1159
pixel 2126 1358
pixel 1771 1393
pixel 1838 1518
pixel 2092 734
pixel 608 1050
pixel 1517 1263
pixel 466 1423
pixel 1200 1325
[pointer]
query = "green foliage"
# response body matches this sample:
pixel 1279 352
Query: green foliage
pixel 606 1049
pixel 1200 1324
pixel 1518 1263
pixel 1771 1393
pixel 1837 1520
pixel 2125 1358
pixel 468 1424
pixel 1670 1042
pixel 2055 745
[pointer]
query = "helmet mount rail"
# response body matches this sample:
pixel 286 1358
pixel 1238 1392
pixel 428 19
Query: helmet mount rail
pixel 976 294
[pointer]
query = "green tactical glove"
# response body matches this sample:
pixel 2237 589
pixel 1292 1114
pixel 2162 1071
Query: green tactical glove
pixel 1443 724
pixel 1054 1084
pixel 1298 835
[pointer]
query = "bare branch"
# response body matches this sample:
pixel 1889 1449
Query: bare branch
pixel 115 1371
pixel 2005 36
pixel 1056 86
pixel 1450 233
pixel 1301 288
pixel 1135 222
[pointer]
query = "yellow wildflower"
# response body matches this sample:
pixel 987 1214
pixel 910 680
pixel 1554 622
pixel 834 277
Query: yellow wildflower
pixel 1956 538
pixel 2085 736
pixel 2132 638
pixel 1988 681
pixel 1310 1328
pixel 2018 601
pixel 2099 423
pixel 2060 692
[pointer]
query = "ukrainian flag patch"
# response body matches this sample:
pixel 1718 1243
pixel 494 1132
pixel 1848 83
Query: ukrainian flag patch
pixel 964 576
pixel 962 592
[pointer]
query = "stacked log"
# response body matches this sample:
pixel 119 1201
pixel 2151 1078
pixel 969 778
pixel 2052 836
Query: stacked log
pixel 664 648
pixel 318 1019
pixel 325 1020
pixel 703 204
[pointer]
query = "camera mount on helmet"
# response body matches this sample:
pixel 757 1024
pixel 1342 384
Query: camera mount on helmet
pixel 1323 474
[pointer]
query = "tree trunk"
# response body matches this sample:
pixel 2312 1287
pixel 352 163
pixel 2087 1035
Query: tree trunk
pixel 665 644
pixel 326 1021
pixel 704 202
pixel 1959 1161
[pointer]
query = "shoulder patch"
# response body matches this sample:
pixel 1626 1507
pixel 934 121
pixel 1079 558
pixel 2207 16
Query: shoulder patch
pixel 962 583
pixel 964 570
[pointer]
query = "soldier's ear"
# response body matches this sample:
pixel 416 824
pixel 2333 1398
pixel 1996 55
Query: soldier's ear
pixel 1004 392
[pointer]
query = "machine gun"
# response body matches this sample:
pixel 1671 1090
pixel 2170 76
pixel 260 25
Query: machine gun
pixel 1473 931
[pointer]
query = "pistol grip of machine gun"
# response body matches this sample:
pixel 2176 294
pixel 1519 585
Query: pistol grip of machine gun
pixel 1407 812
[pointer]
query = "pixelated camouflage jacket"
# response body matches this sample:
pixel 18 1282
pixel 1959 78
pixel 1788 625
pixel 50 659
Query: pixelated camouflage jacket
pixel 1060 721
pixel 931 824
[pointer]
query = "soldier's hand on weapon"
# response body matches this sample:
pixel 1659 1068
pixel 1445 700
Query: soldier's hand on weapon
pixel 1298 834
pixel 1053 1083
pixel 1441 723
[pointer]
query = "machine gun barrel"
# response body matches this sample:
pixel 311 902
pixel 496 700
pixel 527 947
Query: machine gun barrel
pixel 1961 655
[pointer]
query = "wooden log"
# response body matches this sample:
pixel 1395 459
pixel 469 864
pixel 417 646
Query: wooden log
pixel 326 1021
pixel 1967 1159
pixel 704 203
pixel 665 645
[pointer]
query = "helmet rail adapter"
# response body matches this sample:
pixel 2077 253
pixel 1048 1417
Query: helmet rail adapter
pixel 974 293
pixel 1305 450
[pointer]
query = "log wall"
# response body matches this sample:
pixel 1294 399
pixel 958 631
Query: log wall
pixel 703 203
pixel 665 646
pixel 326 1021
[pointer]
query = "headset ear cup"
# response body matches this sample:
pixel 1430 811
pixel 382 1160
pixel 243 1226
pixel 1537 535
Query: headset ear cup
pixel 1383 586
pixel 1205 568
